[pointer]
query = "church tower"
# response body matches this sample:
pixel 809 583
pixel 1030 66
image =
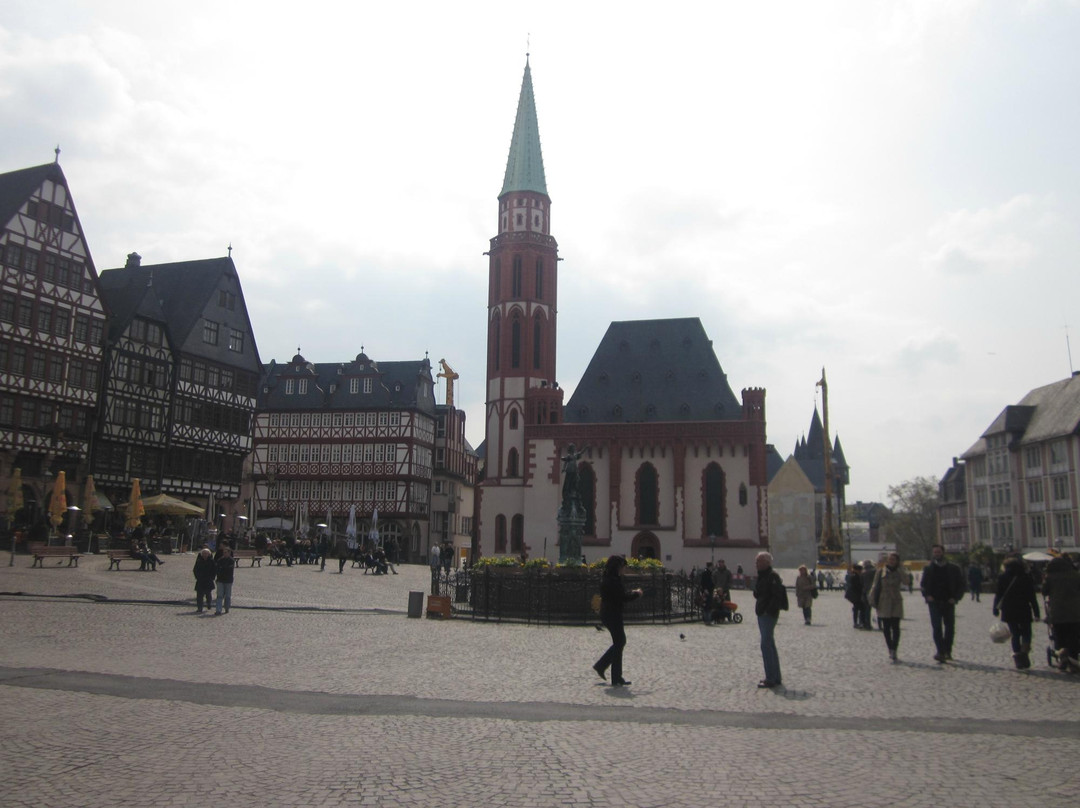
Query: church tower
pixel 522 290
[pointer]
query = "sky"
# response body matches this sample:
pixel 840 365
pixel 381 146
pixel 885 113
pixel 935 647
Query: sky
pixel 888 190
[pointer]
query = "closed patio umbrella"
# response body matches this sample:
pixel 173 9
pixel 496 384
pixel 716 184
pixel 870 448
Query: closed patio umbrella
pixel 135 511
pixel 58 500
pixel 14 505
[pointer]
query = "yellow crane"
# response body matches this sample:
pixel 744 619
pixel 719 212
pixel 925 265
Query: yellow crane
pixel 448 374
pixel 830 551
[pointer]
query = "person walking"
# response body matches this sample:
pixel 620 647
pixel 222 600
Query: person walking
pixel 612 598
pixel 975 580
pixel 853 594
pixel 805 592
pixel 770 598
pixel 942 587
pixel 1062 591
pixel 205 572
pixel 225 569
pixel 886 594
pixel 868 571
pixel 1015 601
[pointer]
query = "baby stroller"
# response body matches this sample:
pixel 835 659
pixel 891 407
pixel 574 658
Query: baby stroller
pixel 1056 657
pixel 726 611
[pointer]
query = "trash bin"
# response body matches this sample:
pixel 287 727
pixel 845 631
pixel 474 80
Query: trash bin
pixel 416 604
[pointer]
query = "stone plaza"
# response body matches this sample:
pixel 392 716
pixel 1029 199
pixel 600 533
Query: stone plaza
pixel 317 689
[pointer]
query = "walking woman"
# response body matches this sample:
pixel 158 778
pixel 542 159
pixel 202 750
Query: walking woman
pixel 805 592
pixel 886 595
pixel 612 598
pixel 1016 602
pixel 1062 591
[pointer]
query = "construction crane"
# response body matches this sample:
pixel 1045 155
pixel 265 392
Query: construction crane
pixel 448 374
pixel 830 550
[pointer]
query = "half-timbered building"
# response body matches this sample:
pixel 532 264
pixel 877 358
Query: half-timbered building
pixel 453 487
pixel 331 436
pixel 52 324
pixel 212 379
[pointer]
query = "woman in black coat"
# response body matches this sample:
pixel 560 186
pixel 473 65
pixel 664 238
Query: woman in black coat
pixel 205 572
pixel 1016 602
pixel 612 598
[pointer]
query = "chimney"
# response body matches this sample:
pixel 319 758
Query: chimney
pixel 133 260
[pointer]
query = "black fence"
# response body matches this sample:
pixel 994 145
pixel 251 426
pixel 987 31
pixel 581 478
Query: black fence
pixel 562 596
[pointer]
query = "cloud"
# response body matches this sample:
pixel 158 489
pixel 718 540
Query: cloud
pixel 999 240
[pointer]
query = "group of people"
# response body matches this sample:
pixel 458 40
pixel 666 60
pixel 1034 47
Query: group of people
pixel 214 571
pixel 880 588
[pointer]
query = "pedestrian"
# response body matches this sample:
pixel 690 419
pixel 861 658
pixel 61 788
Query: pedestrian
pixel 205 572
pixel 770 598
pixel 853 594
pixel 225 568
pixel 805 592
pixel 886 595
pixel 707 588
pixel 867 581
pixel 975 580
pixel 942 587
pixel 820 579
pixel 830 581
pixel 1062 592
pixel 612 598
pixel 433 559
pixel 722 581
pixel 1015 601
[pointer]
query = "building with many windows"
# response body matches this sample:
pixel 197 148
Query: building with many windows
pixel 361 434
pixel 52 325
pixel 1021 475
pixel 453 484
pixel 953 533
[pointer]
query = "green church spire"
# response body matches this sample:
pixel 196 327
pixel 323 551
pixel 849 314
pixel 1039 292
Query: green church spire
pixel 525 165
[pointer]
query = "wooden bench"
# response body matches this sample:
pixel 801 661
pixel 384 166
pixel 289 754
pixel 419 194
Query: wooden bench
pixel 43 551
pixel 438 605
pixel 116 556
pixel 255 556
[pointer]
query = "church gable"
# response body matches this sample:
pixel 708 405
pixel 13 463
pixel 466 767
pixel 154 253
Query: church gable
pixel 653 370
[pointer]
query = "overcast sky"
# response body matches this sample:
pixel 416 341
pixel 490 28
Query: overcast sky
pixel 889 190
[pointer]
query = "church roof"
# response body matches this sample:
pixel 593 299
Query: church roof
pixel 525 164
pixel 653 370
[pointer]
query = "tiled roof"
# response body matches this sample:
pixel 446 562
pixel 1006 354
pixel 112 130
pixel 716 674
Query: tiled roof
pixel 395 385
pixel 653 370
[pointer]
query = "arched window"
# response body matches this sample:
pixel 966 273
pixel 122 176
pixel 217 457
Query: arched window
pixel 517 533
pixel 516 284
pixel 515 342
pixel 513 419
pixel 587 488
pixel 742 494
pixel 496 341
pixel 538 334
pixel 539 278
pixel 712 486
pixel 648 495
pixel 500 534
pixel 512 463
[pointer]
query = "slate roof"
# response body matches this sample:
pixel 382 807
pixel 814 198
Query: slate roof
pixel 525 163
pixel 395 385
pixel 653 370
pixel 1050 411
pixel 810 455
pixel 17 186
pixel 126 301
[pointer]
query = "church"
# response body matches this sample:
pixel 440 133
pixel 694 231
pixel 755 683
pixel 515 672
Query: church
pixel 671 465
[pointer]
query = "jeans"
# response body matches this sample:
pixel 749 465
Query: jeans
pixel 769 656
pixel 613 656
pixel 943 624
pixel 224 593
pixel 1021 637
pixel 890 627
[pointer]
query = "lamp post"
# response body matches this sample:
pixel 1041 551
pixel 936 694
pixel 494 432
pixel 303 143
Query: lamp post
pixel 712 547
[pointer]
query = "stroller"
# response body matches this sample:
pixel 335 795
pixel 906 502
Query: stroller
pixel 725 611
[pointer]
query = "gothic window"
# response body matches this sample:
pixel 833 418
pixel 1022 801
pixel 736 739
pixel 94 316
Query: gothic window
pixel 713 491
pixel 539 278
pixel 513 419
pixel 742 494
pixel 538 333
pixel 587 488
pixel 500 534
pixel 512 463
pixel 517 533
pixel 496 340
pixel 648 495
pixel 516 278
pixel 515 343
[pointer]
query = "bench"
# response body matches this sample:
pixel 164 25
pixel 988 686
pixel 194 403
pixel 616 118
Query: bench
pixel 255 556
pixel 438 605
pixel 43 551
pixel 116 556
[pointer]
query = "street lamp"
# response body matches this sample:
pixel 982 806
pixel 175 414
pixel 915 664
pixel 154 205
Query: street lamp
pixel 712 546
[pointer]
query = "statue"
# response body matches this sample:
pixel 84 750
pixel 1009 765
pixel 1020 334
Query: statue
pixel 571 517
pixel 570 493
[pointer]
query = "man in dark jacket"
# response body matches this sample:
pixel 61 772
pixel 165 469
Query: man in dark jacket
pixel 770 598
pixel 942 587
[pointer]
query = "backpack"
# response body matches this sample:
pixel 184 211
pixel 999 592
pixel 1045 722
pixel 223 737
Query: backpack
pixel 781 598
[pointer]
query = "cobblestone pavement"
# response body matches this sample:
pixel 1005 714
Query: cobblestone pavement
pixel 317 690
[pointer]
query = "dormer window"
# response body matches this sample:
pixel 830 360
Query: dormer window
pixel 367 385
pixel 303 387
pixel 289 387
pixel 354 386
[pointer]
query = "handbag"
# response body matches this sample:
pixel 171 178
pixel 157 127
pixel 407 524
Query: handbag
pixel 813 592
pixel 999 632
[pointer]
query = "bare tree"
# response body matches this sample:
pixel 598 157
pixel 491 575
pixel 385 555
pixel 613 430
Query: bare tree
pixel 913 522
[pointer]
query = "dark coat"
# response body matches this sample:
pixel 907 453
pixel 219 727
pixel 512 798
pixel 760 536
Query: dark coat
pixel 225 567
pixel 770 597
pixel 1016 595
pixel 1062 591
pixel 853 587
pixel 205 572
pixel 942 582
pixel 612 598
